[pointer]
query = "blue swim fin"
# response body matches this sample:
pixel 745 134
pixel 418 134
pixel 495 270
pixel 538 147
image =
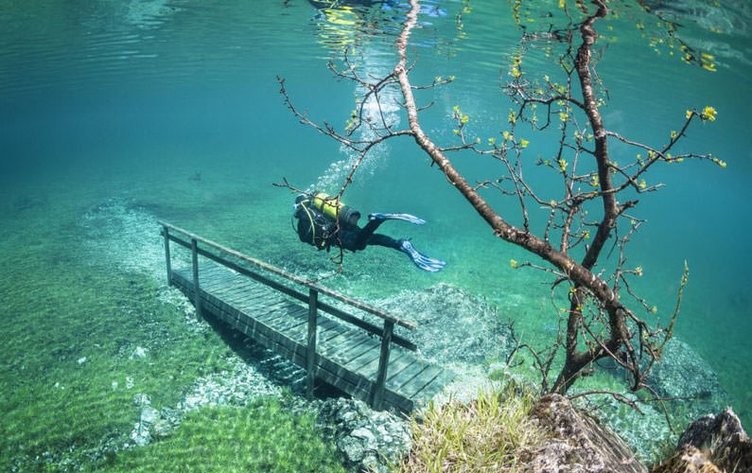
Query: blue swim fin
pixel 426 263
pixel 403 217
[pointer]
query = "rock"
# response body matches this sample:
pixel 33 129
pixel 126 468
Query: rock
pixel 367 440
pixel 162 428
pixel 149 415
pixel 142 400
pixel 140 434
pixel 687 460
pixel 683 374
pixel 578 442
pixel 352 449
pixel 455 325
pixel 151 422
pixel 139 352
pixel 723 439
pixel 688 387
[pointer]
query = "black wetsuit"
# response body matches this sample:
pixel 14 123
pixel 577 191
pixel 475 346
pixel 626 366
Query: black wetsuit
pixel 322 231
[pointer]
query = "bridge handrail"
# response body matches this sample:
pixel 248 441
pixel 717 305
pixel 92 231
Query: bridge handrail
pixel 291 277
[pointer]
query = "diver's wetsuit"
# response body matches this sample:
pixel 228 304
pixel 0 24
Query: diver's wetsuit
pixel 322 231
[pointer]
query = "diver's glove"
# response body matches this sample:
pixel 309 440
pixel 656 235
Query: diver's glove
pixel 426 263
pixel 403 217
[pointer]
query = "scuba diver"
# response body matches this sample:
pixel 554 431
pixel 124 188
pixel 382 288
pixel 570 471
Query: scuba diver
pixel 323 221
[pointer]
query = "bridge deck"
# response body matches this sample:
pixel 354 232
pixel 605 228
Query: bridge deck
pixel 346 356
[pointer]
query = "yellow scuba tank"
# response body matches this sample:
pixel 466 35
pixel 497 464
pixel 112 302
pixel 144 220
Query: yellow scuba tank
pixel 334 209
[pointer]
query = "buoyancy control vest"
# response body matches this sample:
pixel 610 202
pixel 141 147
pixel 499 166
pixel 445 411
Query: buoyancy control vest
pixel 320 218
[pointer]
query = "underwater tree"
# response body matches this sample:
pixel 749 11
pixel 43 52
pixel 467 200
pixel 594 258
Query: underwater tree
pixel 589 219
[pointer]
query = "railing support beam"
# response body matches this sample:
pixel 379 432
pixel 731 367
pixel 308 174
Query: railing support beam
pixel 378 385
pixel 313 297
pixel 196 286
pixel 168 258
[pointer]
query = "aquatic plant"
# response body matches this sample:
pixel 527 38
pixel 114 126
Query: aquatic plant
pixel 87 345
pixel 587 217
pixel 70 384
pixel 491 433
pixel 261 437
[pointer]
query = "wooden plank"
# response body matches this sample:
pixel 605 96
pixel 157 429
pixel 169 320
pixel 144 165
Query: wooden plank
pixel 237 292
pixel 349 352
pixel 329 329
pixel 260 309
pixel 206 276
pixel 229 293
pixel 264 309
pixel 402 378
pixel 282 314
pixel 219 303
pixel 370 369
pixel 347 340
pixel 293 325
pixel 233 304
pixel 400 364
pixel 433 388
pixel 336 346
pixel 284 326
pixel 367 366
pixel 251 290
pixel 228 289
pixel 332 333
pixel 229 279
pixel 351 335
pixel 419 382
pixel 346 336
pixel 254 328
pixel 360 363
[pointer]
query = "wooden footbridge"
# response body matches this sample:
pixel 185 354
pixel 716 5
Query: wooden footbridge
pixel 332 336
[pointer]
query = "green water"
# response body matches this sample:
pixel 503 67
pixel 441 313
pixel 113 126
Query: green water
pixel 115 114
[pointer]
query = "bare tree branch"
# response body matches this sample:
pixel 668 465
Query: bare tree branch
pixel 584 220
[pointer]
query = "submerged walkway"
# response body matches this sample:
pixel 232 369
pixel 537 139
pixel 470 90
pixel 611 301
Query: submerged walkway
pixel 335 341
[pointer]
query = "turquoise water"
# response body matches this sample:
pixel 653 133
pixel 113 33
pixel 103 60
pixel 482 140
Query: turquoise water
pixel 172 108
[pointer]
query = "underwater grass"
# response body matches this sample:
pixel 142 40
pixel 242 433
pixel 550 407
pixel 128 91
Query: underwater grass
pixel 490 434
pixel 68 374
pixel 263 437
pixel 71 326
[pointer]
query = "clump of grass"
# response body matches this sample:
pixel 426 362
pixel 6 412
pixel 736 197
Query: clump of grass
pixel 493 433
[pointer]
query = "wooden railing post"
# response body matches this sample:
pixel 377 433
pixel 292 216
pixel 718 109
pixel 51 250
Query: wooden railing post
pixel 196 287
pixel 386 346
pixel 168 259
pixel 313 297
